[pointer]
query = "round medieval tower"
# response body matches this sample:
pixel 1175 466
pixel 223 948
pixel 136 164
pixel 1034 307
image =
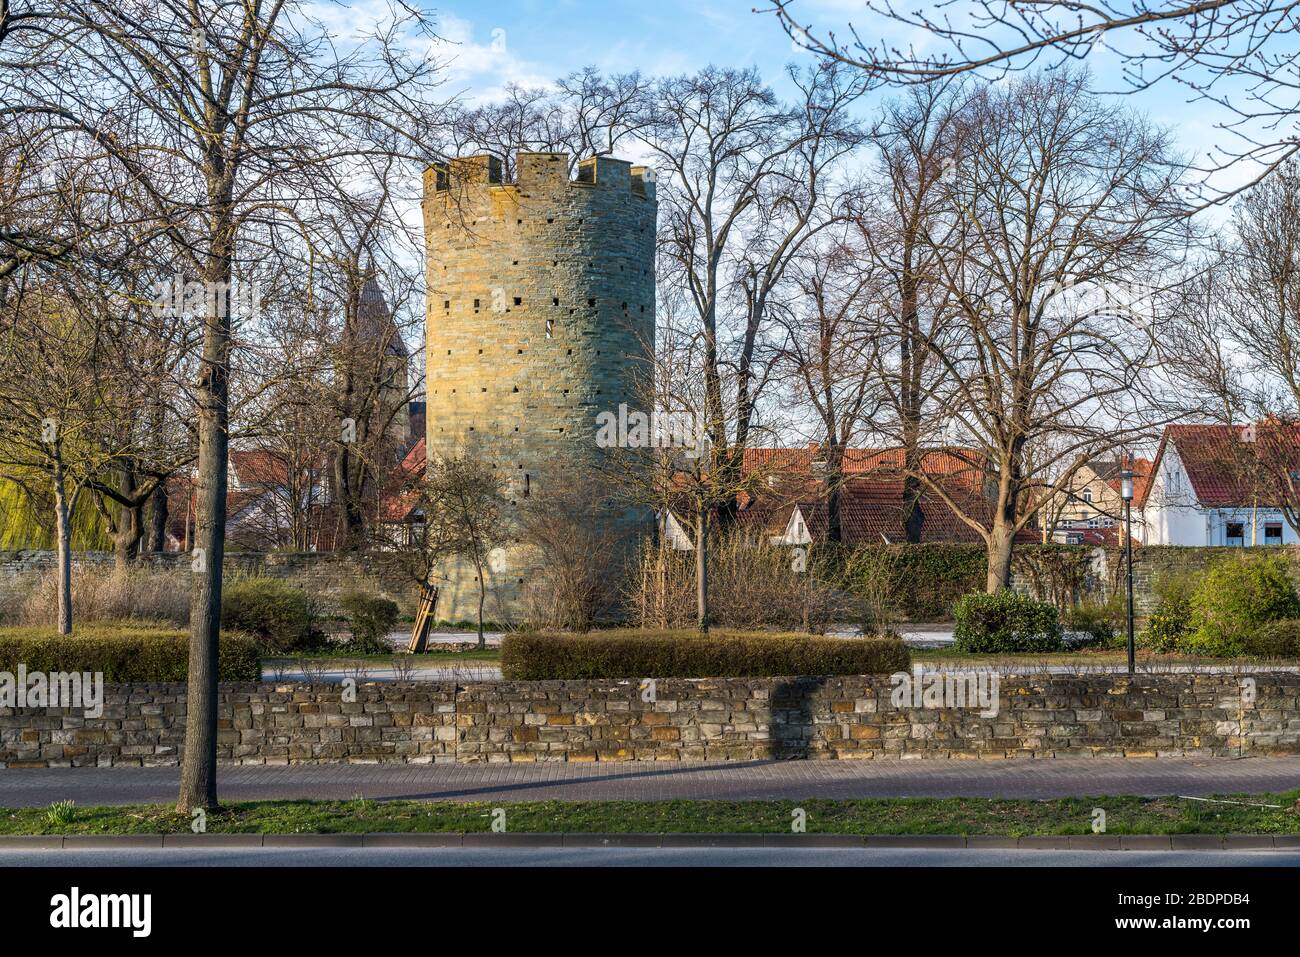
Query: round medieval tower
pixel 541 316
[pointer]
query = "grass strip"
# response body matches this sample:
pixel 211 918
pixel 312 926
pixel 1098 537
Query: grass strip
pixel 968 816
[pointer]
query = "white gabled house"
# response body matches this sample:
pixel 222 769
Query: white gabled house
pixel 1221 485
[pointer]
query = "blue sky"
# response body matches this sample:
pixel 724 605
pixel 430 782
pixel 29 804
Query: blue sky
pixel 493 42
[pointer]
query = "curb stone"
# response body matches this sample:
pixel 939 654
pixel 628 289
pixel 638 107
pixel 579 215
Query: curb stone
pixel 1077 842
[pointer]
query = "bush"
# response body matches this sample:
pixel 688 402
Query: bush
pixel 535 656
pixel 282 618
pixel 752 586
pixel 1005 622
pixel 1171 618
pixel 1277 639
pixel 108 594
pixel 123 651
pixel 1236 597
pixel 371 618
pixel 1100 621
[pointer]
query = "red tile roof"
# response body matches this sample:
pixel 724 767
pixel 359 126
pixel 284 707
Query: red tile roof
pixel 1234 465
pixel 871 500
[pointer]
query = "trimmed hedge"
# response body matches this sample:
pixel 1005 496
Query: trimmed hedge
pixel 124 652
pixel 925 579
pixel 532 656
pixel 1005 622
pixel 281 617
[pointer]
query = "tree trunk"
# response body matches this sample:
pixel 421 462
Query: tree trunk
pixel 999 557
pixel 126 540
pixel 702 568
pixel 482 598
pixel 127 528
pixel 834 483
pixel 348 496
pixel 199 763
pixel 157 539
pixel 63 528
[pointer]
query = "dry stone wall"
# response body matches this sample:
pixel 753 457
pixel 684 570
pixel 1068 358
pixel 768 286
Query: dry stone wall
pixel 732 719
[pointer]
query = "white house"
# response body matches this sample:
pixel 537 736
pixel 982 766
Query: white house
pixel 1220 485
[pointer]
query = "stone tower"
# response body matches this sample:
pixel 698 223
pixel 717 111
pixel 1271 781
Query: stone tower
pixel 541 315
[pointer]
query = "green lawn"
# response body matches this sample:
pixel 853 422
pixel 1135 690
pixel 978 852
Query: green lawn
pixel 1086 657
pixel 1124 815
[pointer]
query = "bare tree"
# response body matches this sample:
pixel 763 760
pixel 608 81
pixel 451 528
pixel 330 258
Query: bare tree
pixel 903 233
pixel 464 503
pixel 1239 56
pixel 232 111
pixel 49 376
pixel 1238 340
pixel 1054 196
pixel 830 353
pixel 747 183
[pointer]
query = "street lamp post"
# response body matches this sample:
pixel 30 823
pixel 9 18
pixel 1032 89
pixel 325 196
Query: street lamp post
pixel 1126 493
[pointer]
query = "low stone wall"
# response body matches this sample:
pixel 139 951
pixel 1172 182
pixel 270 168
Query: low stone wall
pixel 687 720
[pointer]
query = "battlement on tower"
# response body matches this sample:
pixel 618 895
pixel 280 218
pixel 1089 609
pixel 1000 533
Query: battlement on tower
pixel 536 174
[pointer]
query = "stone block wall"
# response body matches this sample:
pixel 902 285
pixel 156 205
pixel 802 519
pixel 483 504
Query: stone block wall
pixel 258 723
pixel 731 719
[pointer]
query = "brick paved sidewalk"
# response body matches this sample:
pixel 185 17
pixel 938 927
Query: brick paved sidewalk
pixel 747 780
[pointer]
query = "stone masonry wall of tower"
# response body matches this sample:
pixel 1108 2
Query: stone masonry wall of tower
pixel 541 313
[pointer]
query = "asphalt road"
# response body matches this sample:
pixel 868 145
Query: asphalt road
pixel 636 857
pixel 651 781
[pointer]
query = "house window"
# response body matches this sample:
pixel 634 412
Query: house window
pixel 1272 533
pixel 1087 495
pixel 1234 533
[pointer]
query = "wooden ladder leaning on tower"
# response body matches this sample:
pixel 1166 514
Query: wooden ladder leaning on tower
pixel 423 618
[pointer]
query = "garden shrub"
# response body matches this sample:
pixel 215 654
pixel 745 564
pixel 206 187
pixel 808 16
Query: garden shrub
pixel 751 586
pixel 1005 622
pixel 123 651
pixel 1171 618
pixel 1277 639
pixel 1101 621
pixel 1234 599
pixel 108 594
pixel 282 618
pixel 371 618
pixel 538 656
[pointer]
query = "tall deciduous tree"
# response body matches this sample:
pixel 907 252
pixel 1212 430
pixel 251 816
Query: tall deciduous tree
pixel 234 111
pixel 1058 201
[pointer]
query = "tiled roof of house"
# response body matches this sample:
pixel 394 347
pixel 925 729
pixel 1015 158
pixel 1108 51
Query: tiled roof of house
pixel 871 499
pixel 1234 465
pixel 397 506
